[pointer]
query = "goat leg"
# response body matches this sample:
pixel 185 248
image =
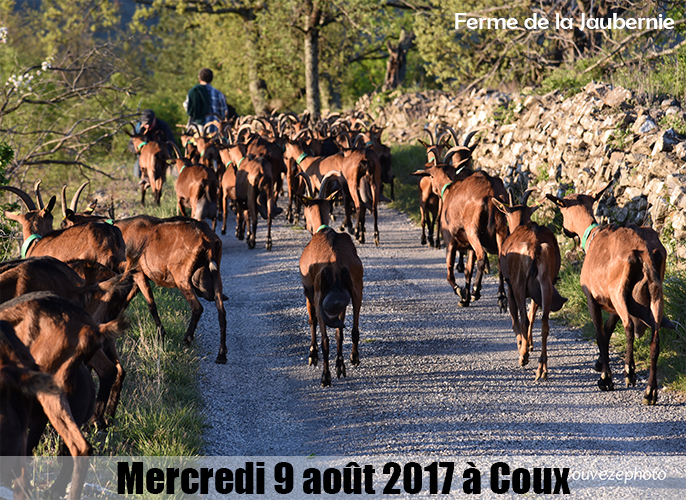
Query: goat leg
pixel 107 375
pixel 312 315
pixel 145 289
pixel 326 373
pixel 340 363
pixel 629 364
pixel 650 396
pixel 603 340
pixel 196 310
pixel 355 332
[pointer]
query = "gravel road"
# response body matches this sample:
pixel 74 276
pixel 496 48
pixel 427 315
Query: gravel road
pixel 435 379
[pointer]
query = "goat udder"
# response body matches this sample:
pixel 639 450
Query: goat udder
pixel 335 302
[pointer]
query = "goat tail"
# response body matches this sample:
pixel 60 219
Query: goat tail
pixel 114 328
pixel 657 300
pixel 213 266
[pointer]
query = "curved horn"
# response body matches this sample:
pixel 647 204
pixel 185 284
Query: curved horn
pixel 39 198
pixel 176 149
pixel 452 132
pixel 75 198
pixel 440 137
pixel 449 154
pixel 30 205
pixel 359 137
pixel 308 183
pixel 64 201
pixel 328 178
pixel 527 193
pixel 510 197
pixel 428 132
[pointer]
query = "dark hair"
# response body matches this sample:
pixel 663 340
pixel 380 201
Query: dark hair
pixel 206 75
pixel 147 116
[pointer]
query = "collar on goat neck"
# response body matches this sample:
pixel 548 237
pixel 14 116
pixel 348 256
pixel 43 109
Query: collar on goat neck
pixel 321 228
pixel 584 239
pixel 300 158
pixel 140 146
pixel 445 187
pixel 28 242
pixel 238 165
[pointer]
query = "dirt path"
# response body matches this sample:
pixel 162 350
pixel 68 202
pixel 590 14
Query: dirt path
pixel 434 379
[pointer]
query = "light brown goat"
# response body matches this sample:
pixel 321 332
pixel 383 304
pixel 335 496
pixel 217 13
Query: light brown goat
pixel 530 263
pixel 153 163
pixel 332 276
pixel 196 189
pixel 179 253
pixel 621 274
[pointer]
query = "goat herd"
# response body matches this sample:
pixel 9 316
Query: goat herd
pixel 63 302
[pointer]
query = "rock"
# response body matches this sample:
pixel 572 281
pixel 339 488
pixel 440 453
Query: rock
pixel 617 97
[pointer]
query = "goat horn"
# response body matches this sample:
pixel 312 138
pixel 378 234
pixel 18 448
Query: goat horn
pixel 39 198
pixel 452 132
pixel 357 139
pixel 64 201
pixel 443 134
pixel 527 193
pixel 30 205
pixel 428 132
pixel 326 180
pixel 308 183
pixel 75 198
pixel 510 196
pixel 449 154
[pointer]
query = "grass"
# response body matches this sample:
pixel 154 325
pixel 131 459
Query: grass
pixel 407 159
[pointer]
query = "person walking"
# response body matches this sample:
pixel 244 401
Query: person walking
pixel 203 102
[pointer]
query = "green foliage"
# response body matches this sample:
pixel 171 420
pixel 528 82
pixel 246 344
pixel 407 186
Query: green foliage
pixel 664 76
pixel 407 159
pixel 674 121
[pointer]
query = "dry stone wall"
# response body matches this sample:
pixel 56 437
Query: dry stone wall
pixel 565 145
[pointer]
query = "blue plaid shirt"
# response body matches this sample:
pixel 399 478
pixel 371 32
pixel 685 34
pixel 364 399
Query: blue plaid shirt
pixel 217 103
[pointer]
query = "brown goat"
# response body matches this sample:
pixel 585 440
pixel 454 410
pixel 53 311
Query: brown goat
pixel 469 221
pixel 196 189
pixel 103 299
pixel 621 274
pixel 20 383
pixel 61 338
pixel 332 276
pixel 153 163
pixel 182 253
pixel 530 263
pixel 248 181
pixel 97 241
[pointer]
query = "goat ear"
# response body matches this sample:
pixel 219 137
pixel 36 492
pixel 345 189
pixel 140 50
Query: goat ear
pixel 421 173
pixel 599 192
pixel 51 205
pixel 499 205
pixel 333 195
pixel 427 146
pixel 555 200
pixel 13 216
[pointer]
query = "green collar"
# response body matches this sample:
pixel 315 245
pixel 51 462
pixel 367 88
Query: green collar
pixel 140 146
pixel 181 170
pixel 369 144
pixel 444 188
pixel 300 158
pixel 323 226
pixel 28 242
pixel 238 165
pixel 587 233
pixel 229 164
pixel 109 221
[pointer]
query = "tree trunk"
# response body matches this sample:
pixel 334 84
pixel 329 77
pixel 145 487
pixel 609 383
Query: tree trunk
pixel 312 71
pixel 257 92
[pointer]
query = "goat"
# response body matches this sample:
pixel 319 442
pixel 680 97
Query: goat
pixel 196 189
pixel 248 182
pixel 153 163
pixel 61 337
pixel 182 253
pixel 332 275
pixel 621 274
pixel 20 383
pixel 530 264
pixel 104 299
pixel 93 240
pixel 469 221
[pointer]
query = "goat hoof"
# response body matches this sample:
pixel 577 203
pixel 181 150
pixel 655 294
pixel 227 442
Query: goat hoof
pixel 502 305
pixel 223 231
pixel 251 244
pixel 630 379
pixel 650 397
pixel 221 359
pixel 605 383
pixel 541 375
pixel 423 241
pixel 340 368
pixel 313 359
pixel 376 239
pixel 355 359
pixel 361 238
pixel 524 360
pixel 476 295
pixel 269 246
pixel 598 366
pixel 326 379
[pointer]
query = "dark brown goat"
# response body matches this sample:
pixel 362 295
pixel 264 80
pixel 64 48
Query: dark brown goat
pixel 332 276
pixel 20 383
pixel 103 299
pixel 196 189
pixel 61 338
pixel 96 241
pixel 153 163
pixel 621 274
pixel 182 253
pixel 530 263
pixel 469 221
